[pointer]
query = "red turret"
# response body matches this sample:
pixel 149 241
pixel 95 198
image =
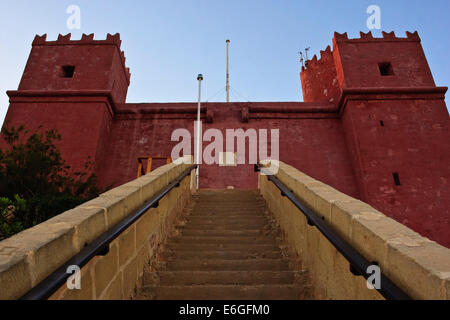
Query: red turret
pixel 395 123
pixel 72 86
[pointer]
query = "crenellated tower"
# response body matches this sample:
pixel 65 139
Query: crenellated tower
pixel 319 79
pixel 77 65
pixel 72 86
pixel 395 122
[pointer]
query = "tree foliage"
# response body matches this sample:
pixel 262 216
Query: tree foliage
pixel 35 182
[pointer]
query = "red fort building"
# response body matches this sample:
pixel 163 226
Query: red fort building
pixel 373 123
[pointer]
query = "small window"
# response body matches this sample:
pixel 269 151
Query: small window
pixel 396 179
pixel 386 69
pixel 382 123
pixel 68 71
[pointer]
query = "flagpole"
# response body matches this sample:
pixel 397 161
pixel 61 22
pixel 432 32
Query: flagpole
pixel 228 72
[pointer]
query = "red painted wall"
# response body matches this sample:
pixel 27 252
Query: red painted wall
pixel 314 143
pixel 82 137
pixel 335 135
pixel 417 147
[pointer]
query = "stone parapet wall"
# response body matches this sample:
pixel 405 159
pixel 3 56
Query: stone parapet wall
pixel 419 266
pixel 30 256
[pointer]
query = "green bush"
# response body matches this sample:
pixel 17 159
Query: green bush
pixel 10 210
pixel 35 182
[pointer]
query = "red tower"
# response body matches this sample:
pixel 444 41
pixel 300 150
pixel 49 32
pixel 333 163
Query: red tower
pixel 395 122
pixel 72 86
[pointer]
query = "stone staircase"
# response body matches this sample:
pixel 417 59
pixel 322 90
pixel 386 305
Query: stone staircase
pixel 226 248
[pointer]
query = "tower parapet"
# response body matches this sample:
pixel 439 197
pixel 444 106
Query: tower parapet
pixel 319 79
pixel 72 86
pixel 366 62
pixel 386 62
pixel 410 36
pixel 325 57
pixel 86 39
pixel 77 65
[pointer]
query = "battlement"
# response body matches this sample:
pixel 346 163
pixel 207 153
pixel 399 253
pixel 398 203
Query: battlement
pixel 366 62
pixel 66 64
pixel 318 78
pixel 326 56
pixel 386 36
pixel 86 39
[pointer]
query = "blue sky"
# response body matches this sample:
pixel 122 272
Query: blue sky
pixel 167 43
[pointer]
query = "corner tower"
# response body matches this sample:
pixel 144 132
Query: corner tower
pixel 72 86
pixel 396 125
pixel 77 65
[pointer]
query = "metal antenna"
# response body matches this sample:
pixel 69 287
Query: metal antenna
pixel 306 53
pixel 301 59
pixel 228 73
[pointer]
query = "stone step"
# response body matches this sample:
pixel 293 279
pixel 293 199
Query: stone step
pixel 250 203
pixel 230 202
pixel 211 216
pixel 225 233
pixel 221 208
pixel 223 240
pixel 224 193
pixel 230 199
pixel 226 265
pixel 258 223
pixel 227 220
pixel 223 277
pixel 225 292
pixel 243 247
pixel 246 206
pixel 230 225
pixel 225 248
pixel 221 254
pixel 234 214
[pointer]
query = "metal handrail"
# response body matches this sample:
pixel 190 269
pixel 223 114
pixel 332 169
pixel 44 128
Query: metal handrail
pixel 98 247
pixel 358 264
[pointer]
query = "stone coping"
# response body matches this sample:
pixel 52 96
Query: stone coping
pixel 416 264
pixel 31 255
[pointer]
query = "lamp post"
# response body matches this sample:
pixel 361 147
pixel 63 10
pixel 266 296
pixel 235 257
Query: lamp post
pixel 197 160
